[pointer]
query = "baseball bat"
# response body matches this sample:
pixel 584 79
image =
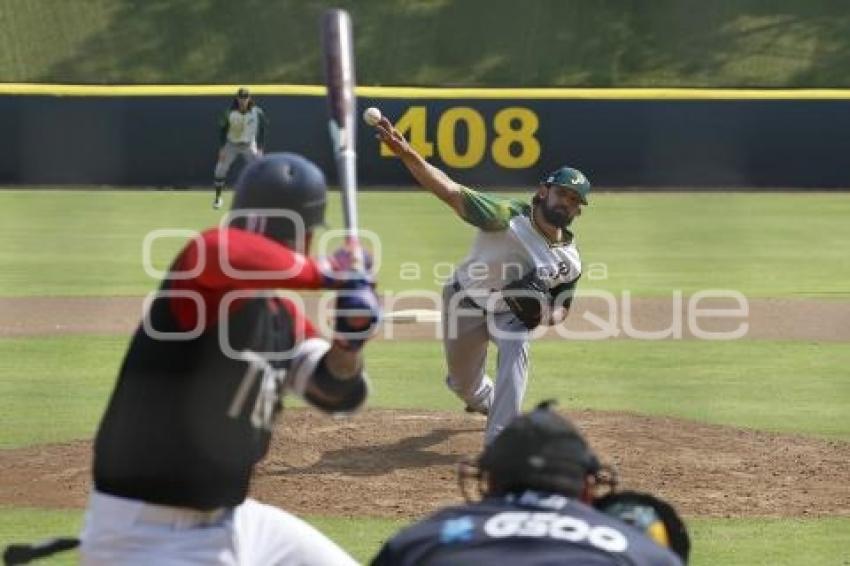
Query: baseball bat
pixel 26 553
pixel 337 47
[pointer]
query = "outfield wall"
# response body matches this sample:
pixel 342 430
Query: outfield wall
pixel 167 136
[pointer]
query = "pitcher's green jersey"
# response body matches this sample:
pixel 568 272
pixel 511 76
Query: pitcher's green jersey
pixel 489 212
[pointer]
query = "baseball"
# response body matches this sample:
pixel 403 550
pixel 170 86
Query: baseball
pixel 371 115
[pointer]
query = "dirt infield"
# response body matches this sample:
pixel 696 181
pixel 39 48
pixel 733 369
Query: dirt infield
pixel 402 464
pixel 767 319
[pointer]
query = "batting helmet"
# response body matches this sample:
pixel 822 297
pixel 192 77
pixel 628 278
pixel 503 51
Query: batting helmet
pixel 283 195
pixel 652 516
pixel 539 450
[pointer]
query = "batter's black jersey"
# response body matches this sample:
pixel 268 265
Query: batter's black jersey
pixel 186 422
pixel 523 530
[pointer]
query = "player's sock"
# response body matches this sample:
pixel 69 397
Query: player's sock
pixel 219 186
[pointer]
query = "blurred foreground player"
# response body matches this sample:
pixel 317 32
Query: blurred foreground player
pixel 202 384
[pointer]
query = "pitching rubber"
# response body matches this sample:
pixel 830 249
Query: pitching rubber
pixel 409 316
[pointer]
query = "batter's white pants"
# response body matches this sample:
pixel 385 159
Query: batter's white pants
pixel 130 532
pixel 249 152
pixel 467 332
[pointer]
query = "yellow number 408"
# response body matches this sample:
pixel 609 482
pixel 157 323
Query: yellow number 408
pixel 514 129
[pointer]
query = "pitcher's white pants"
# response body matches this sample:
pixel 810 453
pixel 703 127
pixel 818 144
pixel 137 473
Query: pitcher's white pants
pixel 130 532
pixel 466 334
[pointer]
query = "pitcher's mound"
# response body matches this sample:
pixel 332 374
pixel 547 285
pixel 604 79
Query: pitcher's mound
pixel 402 464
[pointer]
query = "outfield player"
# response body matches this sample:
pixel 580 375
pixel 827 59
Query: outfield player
pixel 203 379
pixel 539 479
pixel 242 131
pixel 523 250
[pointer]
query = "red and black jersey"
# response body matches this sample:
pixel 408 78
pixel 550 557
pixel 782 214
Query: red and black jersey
pixel 200 384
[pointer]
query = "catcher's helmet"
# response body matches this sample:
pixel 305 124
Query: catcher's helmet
pixel 656 518
pixel 539 450
pixel 276 193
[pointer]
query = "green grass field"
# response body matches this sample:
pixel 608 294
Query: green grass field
pixel 768 245
pixel 755 542
pixel 778 245
pixel 748 384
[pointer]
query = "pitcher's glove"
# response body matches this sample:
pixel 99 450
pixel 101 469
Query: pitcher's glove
pixel 529 299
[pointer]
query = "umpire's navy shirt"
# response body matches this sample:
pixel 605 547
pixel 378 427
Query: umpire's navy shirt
pixel 520 530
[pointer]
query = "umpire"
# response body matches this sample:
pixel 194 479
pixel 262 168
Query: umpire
pixel 537 480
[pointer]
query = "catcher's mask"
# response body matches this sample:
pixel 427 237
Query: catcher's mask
pixel 540 450
pixel 281 195
pixel 654 517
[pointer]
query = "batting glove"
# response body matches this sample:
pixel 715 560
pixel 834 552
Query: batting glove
pixel 357 316
pixel 338 270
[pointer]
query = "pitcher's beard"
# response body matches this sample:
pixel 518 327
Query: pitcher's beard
pixel 555 217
